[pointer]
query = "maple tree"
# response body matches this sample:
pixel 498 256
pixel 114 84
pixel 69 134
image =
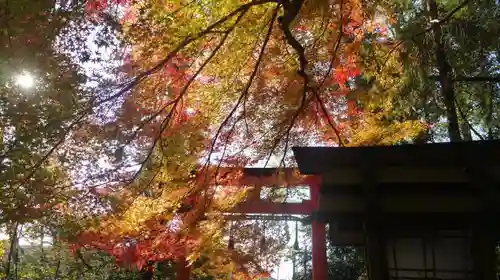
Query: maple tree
pixel 231 83
pixel 135 164
pixel 43 98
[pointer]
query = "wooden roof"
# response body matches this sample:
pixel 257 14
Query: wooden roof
pixel 317 160
pixel 444 182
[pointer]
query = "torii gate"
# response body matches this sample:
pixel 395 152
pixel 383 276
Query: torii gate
pixel 377 196
pixel 262 177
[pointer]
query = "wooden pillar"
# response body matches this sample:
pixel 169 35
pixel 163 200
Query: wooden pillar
pixel 484 237
pixel 376 247
pixel 319 263
pixel 375 237
pixel 318 251
pixel 183 270
pixel 483 249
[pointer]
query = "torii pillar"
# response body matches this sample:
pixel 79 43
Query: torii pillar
pixel 183 270
pixel 319 262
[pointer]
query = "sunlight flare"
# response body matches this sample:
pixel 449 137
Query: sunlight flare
pixel 25 80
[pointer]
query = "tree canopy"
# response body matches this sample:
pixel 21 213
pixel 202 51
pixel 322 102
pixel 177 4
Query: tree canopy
pixel 118 116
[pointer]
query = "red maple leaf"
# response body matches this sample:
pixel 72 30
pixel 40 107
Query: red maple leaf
pixel 93 6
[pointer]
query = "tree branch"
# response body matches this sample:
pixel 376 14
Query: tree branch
pixel 175 102
pixel 430 28
pixel 478 79
pixel 247 86
pixel 464 118
pixel 285 27
pixel 139 78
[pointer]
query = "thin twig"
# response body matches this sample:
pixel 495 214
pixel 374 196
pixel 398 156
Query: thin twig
pixel 35 167
pixel 328 118
pixel 248 85
pixel 464 118
pixel 337 45
pixel 185 88
pixel 430 28
pixel 139 78
pixel 239 101
pixel 330 68
pixel 299 49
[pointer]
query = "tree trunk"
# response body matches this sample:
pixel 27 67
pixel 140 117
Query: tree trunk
pixel 466 133
pixel 445 79
pixel 13 247
pixel 489 116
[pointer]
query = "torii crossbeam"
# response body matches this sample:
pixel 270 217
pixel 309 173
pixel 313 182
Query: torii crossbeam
pixel 255 208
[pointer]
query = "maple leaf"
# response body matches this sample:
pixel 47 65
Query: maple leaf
pixel 92 6
pixel 223 85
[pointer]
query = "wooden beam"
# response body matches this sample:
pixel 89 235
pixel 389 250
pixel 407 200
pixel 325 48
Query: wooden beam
pixel 404 174
pixel 403 204
pixel 320 160
pixel 264 207
pixel 413 188
pixel 231 176
pixel 262 217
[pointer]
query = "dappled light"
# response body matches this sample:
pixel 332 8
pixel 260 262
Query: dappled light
pixel 148 139
pixel 25 80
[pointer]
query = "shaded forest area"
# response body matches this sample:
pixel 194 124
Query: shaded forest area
pixel 116 116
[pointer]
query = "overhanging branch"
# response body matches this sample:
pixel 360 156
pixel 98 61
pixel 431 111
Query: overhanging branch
pixel 430 28
pixel 495 79
pixel 291 11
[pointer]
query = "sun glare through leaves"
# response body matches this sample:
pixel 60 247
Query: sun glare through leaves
pixel 25 80
pixel 131 151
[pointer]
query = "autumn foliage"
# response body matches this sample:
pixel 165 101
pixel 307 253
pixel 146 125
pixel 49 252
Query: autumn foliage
pixel 216 85
pixel 126 124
